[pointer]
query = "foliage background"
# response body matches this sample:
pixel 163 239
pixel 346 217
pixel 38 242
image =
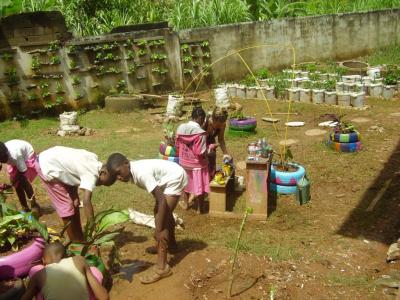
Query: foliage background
pixel 91 17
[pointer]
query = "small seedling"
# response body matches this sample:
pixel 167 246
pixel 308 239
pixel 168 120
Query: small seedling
pixel 59 88
pixel 43 85
pixel 32 97
pixel 7 56
pixel 109 56
pixel 78 96
pixel 45 95
pixel 206 54
pixel 156 70
pixel 185 48
pixel 121 84
pixel 187 58
pixel 72 49
pixel 158 56
pixel 35 65
pixel 163 71
pixel 204 44
pixel 54 46
pixel 141 52
pixel 187 71
pixel 60 100
pixel 76 80
pixel 55 60
pixel 72 64
pixel 142 43
pixel 130 54
pixel 128 42
pixel 132 68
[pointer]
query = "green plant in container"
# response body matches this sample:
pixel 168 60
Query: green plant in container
pixel 184 48
pixel 12 77
pixel 204 44
pixel 187 58
pixel 72 49
pixel 32 97
pixel 60 100
pixel 187 71
pixel 72 64
pixel 329 85
pixel 156 70
pixel 132 69
pixel 206 54
pixel 142 43
pixel 7 57
pixel 76 80
pixel 130 54
pixel 141 52
pixel 263 73
pixel 35 64
pixel 314 76
pixel 55 60
pixel 54 46
pixel 59 88
pixel 392 75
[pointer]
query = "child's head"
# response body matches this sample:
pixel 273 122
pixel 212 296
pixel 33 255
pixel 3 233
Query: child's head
pixel 198 115
pixel 53 253
pixel 3 153
pixel 105 177
pixel 219 116
pixel 118 166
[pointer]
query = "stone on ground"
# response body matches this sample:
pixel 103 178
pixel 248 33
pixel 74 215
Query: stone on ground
pixel 288 142
pixel 315 132
pixel 361 120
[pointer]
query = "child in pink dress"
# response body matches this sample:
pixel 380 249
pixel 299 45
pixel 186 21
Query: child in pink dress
pixel 20 158
pixel 191 146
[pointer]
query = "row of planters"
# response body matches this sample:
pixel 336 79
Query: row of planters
pixel 317 87
pixel 23 238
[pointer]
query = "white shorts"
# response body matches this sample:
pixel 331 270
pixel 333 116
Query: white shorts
pixel 176 187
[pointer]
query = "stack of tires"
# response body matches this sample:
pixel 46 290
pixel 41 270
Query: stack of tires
pixel 168 152
pixel 345 142
pixel 283 182
pixel 238 126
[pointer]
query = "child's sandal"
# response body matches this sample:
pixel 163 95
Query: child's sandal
pixel 155 274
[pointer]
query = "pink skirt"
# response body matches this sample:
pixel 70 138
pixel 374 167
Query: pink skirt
pixel 198 181
pixel 30 173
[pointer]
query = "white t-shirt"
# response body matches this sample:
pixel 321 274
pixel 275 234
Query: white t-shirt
pixel 74 167
pixel 150 173
pixel 19 151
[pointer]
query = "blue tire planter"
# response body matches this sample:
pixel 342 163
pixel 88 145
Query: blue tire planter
pixel 170 158
pixel 287 178
pixel 248 124
pixel 282 189
pixel 351 137
pixel 345 147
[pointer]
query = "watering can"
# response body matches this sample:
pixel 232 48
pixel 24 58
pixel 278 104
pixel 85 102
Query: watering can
pixel 303 190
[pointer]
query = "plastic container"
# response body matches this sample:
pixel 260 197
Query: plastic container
pixel 303 194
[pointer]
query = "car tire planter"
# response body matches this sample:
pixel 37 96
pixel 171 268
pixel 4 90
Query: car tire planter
pixel 167 150
pixel 287 178
pixel 170 158
pixel 345 147
pixel 283 189
pixel 18 264
pixel 248 124
pixel 351 137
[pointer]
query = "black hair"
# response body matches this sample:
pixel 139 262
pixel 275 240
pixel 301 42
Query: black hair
pixel 3 152
pixel 198 112
pixel 55 250
pixel 114 161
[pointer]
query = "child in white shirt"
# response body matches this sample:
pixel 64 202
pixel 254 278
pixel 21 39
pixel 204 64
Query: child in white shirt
pixel 20 158
pixel 63 170
pixel 166 181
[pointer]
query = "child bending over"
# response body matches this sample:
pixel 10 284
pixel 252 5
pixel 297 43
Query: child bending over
pixel 165 180
pixel 192 148
pixel 20 158
pixel 63 278
pixel 63 170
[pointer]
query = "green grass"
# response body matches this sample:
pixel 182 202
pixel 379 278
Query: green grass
pixel 341 280
pixel 388 55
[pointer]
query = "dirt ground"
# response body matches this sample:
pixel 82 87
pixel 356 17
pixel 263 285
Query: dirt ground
pixel 331 248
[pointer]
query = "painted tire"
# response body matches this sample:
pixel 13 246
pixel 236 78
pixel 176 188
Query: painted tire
pixel 345 147
pixel 167 150
pixel 243 128
pixel 351 137
pixel 170 158
pixel 287 178
pixel 283 189
pixel 248 124
pixel 18 264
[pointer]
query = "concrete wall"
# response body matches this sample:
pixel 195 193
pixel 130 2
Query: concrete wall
pixel 26 36
pixel 316 38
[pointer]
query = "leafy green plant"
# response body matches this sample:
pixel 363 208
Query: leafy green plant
pixel 280 83
pixel 32 96
pixel 156 70
pixel 76 80
pixel 329 85
pixel 59 88
pixel 78 96
pixel 120 86
pixel 392 75
pixel 341 126
pixel 43 85
pixel 17 227
pixel 72 64
pixel 187 58
pixel 72 49
pixel 237 114
pixel 158 56
pixel 12 77
pixel 142 43
pixel 310 67
pixel 130 54
pixel 132 68
pixel 206 54
pixel 184 48
pixel 141 52
pixel 60 100
pixel 204 44
pixel 249 80
pixel 7 57
pixel 263 73
pixel 55 60
pixel 317 85
pixel 35 64
pixel 314 76
pixel 45 95
pixel 54 46
pixel 187 71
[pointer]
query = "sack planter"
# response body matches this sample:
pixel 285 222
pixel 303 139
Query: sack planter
pixel 251 92
pixel 18 264
pixel 270 93
pixel 174 106
pixel 318 96
pixel 263 82
pixel 388 91
pixel 294 94
pixel 232 90
pixel 344 99
pixel 241 92
pixel 357 99
pixel 305 95
pixel 330 97
pixel 376 90
pixel 339 86
pixel 221 97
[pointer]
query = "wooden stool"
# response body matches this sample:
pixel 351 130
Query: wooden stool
pixel 219 194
